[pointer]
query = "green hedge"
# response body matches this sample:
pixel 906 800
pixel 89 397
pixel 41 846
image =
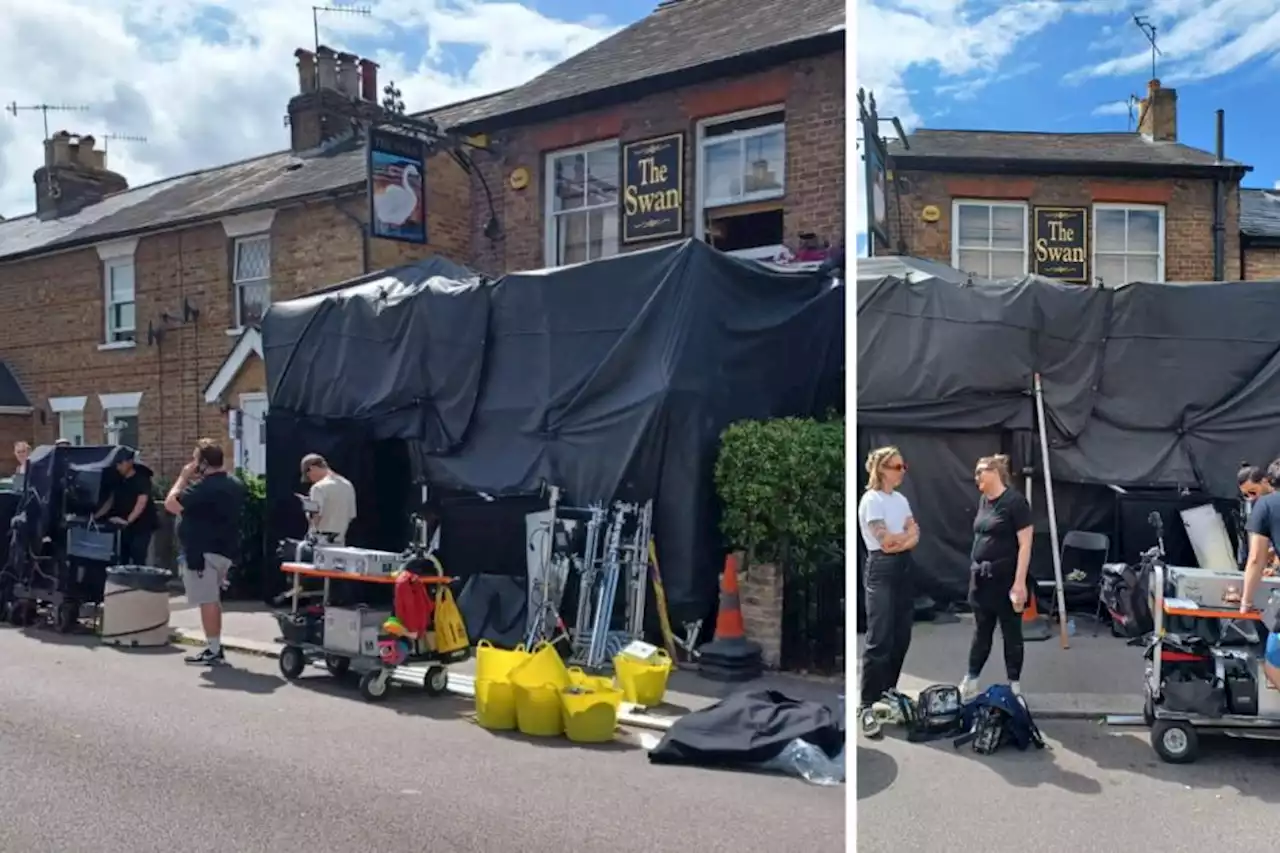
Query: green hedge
pixel 781 484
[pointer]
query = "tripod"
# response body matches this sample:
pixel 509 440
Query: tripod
pixel 546 623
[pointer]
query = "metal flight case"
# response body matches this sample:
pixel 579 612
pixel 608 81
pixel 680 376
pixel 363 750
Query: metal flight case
pixel 58 555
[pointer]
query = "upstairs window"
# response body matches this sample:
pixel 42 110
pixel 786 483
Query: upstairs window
pixel 989 238
pixel 582 204
pixel 1128 243
pixel 118 287
pixel 742 182
pixel 251 279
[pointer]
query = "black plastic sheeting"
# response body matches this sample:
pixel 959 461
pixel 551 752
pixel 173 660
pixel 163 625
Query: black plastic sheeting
pixel 1147 387
pixel 611 379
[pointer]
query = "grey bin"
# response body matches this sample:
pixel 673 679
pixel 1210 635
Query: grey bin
pixel 135 606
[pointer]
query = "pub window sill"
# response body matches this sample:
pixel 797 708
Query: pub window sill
pixel 115 345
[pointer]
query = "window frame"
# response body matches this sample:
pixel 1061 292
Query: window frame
pixel 1022 206
pixel 551 247
pixel 111 335
pixel 238 283
pixel 700 205
pixel 1161 245
pixel 62 407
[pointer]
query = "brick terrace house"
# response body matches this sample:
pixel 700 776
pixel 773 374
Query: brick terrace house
pixel 1091 208
pixel 740 110
pixel 133 312
pixel 1260 234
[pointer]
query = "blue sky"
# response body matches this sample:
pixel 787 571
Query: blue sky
pixel 1071 65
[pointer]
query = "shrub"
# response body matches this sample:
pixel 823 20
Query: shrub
pixel 253 521
pixel 781 483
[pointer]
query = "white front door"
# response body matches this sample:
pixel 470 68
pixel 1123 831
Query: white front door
pixel 251 443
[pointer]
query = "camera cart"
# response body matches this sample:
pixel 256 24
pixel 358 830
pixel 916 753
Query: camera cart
pixel 64 579
pixel 304 640
pixel 1175 734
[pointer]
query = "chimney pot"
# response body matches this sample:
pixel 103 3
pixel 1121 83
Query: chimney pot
pixel 369 80
pixel 349 75
pixel 306 70
pixel 326 68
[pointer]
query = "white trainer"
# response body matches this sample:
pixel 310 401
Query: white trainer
pixel 968 688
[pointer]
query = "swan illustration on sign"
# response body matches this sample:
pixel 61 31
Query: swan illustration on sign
pixel 396 174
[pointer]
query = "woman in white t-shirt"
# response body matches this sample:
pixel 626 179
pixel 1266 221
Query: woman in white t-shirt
pixel 889 532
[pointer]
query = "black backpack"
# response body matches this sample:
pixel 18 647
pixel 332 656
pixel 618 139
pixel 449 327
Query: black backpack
pixel 1127 595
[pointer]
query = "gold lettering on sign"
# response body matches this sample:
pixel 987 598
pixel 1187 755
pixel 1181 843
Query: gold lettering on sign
pixel 651 172
pixel 1051 249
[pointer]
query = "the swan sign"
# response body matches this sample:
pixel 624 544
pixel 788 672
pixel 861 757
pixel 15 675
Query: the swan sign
pixel 397 187
pixel 653 189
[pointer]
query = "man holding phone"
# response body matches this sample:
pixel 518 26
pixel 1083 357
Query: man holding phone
pixel 208 503
pixel 331 503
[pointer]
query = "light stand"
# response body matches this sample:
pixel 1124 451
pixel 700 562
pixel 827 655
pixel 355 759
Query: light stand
pixel 546 623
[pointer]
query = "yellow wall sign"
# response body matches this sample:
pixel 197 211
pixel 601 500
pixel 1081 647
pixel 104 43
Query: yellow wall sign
pixel 653 188
pixel 519 178
pixel 931 213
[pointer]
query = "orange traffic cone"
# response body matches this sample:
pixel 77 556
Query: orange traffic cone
pixel 730 656
pixel 1035 627
pixel 729 624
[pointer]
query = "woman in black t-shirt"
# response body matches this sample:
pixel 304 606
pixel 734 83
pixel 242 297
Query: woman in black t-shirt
pixel 999 562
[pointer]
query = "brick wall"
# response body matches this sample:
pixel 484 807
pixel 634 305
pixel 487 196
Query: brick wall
pixel 812 92
pixel 1188 212
pixel 761 592
pixel 1261 263
pixel 53 311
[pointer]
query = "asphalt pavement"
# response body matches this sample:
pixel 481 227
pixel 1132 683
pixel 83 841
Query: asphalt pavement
pixel 1093 787
pixel 109 751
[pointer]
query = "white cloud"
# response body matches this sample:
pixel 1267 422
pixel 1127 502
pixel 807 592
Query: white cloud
pixel 1114 108
pixel 967 46
pixel 1198 39
pixel 208 83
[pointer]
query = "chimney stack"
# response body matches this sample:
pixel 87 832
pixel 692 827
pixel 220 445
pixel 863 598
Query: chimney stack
pixel 332 89
pixel 1158 113
pixel 74 176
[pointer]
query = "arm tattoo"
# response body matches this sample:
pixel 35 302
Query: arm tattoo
pixel 878 530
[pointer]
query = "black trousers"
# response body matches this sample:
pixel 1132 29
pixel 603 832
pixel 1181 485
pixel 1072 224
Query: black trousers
pixel 992 607
pixel 888 591
pixel 134 545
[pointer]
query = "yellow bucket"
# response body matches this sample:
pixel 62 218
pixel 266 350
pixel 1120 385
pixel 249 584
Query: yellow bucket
pixel 496 705
pixel 543 667
pixel 579 678
pixel 538 710
pixel 591 715
pixel 643 683
pixel 495 664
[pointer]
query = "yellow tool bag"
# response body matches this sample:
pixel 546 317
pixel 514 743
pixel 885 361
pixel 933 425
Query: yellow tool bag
pixel 451 632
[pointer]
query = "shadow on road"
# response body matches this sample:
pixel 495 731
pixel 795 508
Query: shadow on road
pixel 240 680
pixel 876 772
pixel 1248 767
pixel 84 638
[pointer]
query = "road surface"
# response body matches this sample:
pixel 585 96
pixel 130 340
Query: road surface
pixel 1095 788
pixel 105 751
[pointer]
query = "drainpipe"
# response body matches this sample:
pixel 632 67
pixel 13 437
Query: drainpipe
pixel 364 234
pixel 1220 206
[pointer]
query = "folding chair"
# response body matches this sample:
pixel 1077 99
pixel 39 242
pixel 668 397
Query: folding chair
pixel 1083 555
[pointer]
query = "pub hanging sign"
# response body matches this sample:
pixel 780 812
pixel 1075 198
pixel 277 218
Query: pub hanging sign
pixel 1060 243
pixel 653 189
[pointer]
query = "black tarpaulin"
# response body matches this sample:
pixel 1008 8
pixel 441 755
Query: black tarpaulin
pixel 611 379
pixel 749 727
pixel 1145 386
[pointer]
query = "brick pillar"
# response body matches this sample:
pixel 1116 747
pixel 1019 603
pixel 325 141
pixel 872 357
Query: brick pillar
pixel 761 591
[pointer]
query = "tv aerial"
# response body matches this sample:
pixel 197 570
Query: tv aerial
pixel 44 110
pixel 358 11
pixel 1149 31
pixel 120 137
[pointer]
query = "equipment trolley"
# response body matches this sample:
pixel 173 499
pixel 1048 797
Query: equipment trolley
pixel 305 643
pixel 1175 735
